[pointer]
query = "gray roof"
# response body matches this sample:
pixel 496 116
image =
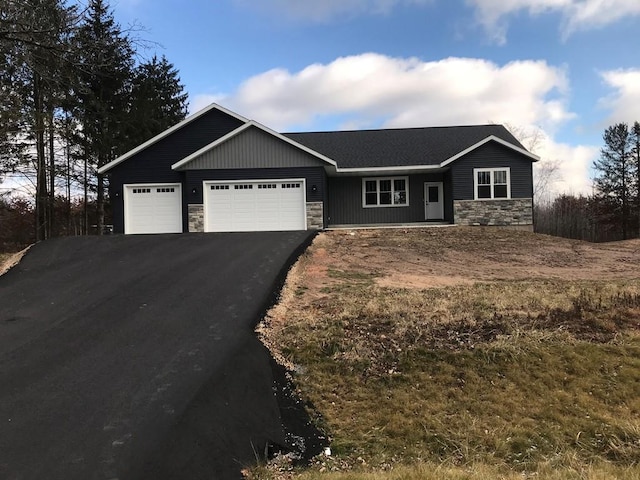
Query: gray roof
pixel 399 147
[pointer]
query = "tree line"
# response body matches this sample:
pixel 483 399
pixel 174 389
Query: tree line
pixel 612 211
pixel 75 93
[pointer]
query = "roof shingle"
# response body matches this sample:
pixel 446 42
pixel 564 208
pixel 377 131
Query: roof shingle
pixel 399 147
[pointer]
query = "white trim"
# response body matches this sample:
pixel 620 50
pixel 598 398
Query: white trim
pixel 492 185
pixel 242 128
pixel 378 180
pixel 168 132
pixel 443 164
pixel 440 186
pixel 125 196
pixel 259 180
pixel 388 169
pixel 533 157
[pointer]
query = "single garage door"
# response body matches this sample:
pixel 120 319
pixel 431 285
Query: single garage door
pixel 264 205
pixel 153 208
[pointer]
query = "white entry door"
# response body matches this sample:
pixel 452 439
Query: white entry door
pixel 153 208
pixel 257 205
pixel 433 201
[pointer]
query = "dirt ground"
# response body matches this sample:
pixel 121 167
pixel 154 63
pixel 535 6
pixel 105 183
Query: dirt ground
pixel 419 258
pixel 436 257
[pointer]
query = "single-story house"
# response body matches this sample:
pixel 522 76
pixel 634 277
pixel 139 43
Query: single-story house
pixel 217 171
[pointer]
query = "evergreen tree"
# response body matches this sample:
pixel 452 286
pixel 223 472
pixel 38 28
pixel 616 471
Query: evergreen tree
pixel 106 64
pixel 615 177
pixel 635 152
pixel 157 101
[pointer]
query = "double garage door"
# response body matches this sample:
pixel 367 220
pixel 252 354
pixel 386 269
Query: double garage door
pixel 266 205
pixel 239 206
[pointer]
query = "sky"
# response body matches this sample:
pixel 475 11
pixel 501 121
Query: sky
pixel 556 72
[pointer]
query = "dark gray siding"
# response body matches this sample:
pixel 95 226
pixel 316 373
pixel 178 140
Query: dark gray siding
pixel 154 163
pixel 314 176
pixel 253 148
pixel 345 202
pixel 492 155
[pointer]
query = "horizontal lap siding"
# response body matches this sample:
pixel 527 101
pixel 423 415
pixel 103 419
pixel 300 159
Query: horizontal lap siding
pixel 153 165
pixel 345 202
pixel 492 155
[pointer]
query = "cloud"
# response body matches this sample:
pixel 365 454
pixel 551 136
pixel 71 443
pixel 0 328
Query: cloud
pixel 378 90
pixel 323 10
pixel 624 102
pixel 573 163
pixel 576 14
pixel 373 91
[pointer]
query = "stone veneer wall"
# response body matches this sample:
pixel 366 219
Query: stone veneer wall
pixel 315 215
pixel 196 218
pixel 513 212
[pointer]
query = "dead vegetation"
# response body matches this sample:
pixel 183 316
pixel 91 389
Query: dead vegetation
pixel 10 260
pixel 481 349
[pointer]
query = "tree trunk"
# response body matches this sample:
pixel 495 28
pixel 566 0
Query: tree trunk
pixel 85 207
pixel 100 203
pixel 52 177
pixel 41 165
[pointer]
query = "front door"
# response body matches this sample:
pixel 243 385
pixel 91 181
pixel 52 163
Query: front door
pixel 433 201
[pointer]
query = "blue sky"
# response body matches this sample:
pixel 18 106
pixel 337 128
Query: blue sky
pixel 563 68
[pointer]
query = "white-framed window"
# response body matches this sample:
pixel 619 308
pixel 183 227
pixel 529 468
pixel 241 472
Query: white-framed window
pixel 491 183
pixel 385 192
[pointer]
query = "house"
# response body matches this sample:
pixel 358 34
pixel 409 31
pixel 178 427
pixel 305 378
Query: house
pixel 217 171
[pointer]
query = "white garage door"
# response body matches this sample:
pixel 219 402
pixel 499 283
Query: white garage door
pixel 265 205
pixel 152 208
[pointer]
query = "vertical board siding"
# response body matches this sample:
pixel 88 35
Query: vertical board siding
pixel 253 148
pixel 153 164
pixel 492 155
pixel 345 202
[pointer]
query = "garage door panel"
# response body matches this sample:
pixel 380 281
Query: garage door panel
pixel 153 209
pixel 266 205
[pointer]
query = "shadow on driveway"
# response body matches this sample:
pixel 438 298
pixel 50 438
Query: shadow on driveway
pixel 134 357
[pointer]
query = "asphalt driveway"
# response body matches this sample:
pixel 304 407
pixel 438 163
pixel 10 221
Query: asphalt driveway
pixel 132 357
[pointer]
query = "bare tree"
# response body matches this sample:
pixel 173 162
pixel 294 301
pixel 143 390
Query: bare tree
pixel 545 172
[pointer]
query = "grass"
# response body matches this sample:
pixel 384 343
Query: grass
pixel 510 379
pixel 438 471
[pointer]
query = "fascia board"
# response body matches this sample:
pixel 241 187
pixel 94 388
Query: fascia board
pixel 168 132
pixel 237 131
pixel 490 138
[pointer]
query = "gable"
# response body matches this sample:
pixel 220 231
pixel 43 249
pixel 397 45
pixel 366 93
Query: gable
pixel 492 155
pixel 431 147
pixel 253 147
pixel 182 139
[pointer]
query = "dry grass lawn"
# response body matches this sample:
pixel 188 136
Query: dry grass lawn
pixel 464 353
pixel 9 260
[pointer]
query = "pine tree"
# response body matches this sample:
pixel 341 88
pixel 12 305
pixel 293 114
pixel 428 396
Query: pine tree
pixel 614 177
pixel 635 153
pixel 106 64
pixel 157 101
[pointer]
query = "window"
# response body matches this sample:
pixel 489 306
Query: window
pixel 385 192
pixel 492 183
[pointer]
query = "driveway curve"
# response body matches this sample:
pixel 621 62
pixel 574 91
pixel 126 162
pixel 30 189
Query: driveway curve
pixel 109 345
